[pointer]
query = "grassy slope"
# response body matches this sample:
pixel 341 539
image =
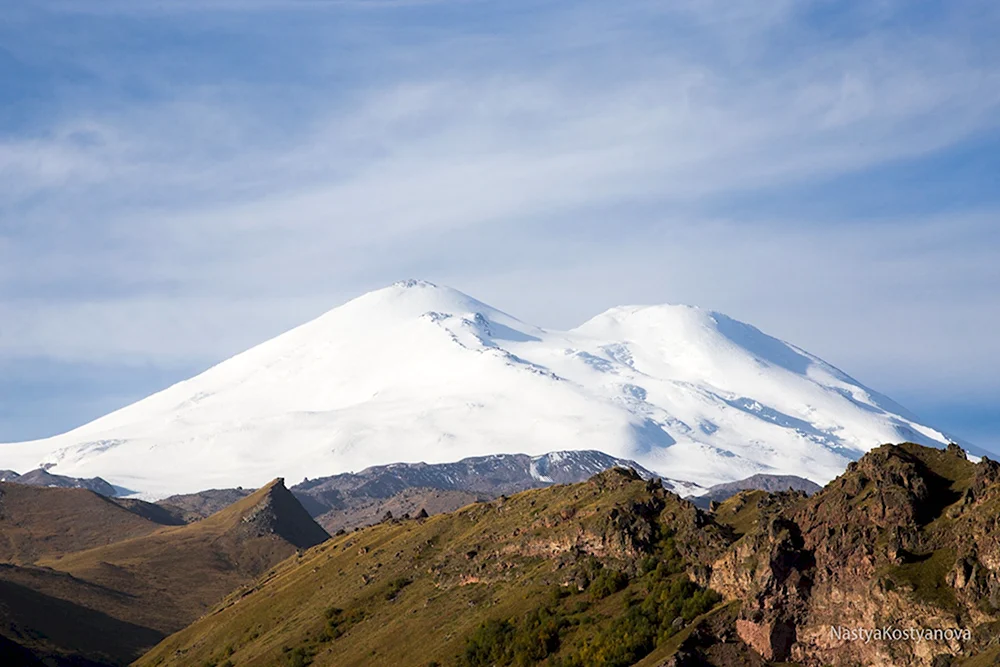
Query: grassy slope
pixel 496 560
pixel 35 522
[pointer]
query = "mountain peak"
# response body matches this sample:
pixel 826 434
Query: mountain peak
pixel 412 283
pixel 418 371
pixel 273 510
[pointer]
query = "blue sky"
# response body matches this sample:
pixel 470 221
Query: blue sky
pixel 180 180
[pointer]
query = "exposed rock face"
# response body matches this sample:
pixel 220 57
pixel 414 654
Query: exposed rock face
pixel 279 513
pixel 903 539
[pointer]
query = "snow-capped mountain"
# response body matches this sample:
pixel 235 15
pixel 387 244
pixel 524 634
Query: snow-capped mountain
pixel 418 372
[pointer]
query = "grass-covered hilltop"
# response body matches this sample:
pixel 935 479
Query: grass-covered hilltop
pixel 618 571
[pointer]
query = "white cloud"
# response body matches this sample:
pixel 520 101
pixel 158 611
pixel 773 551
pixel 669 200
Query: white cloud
pixel 554 170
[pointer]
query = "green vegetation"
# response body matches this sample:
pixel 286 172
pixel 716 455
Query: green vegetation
pixel 608 582
pixel 925 576
pixel 621 642
pixel 669 601
pixel 532 639
pixel 337 622
pixel 657 604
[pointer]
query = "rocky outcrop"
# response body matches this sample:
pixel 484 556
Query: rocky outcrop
pixel 905 539
pixel 278 513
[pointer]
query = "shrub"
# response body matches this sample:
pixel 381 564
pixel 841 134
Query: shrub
pixel 489 644
pixel 633 635
pixel 395 586
pixel 607 582
pixel 528 641
pixel 338 621
pixel 298 657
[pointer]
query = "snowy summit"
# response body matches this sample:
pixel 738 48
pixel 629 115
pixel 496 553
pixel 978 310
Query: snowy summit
pixel 420 372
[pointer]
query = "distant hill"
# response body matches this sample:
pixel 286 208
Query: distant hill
pixel 351 500
pixel 356 499
pixel 760 482
pixel 177 573
pixel 41 477
pixel 194 506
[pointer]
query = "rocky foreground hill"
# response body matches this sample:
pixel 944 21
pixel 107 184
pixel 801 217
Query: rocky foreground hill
pixel 894 563
pixel 619 571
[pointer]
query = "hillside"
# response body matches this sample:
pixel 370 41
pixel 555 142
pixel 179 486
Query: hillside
pixel 380 594
pixel 38 521
pixel 420 372
pixel 618 571
pixel 107 604
pixel 176 573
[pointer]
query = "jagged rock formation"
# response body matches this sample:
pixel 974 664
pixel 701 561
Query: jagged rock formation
pixel 903 539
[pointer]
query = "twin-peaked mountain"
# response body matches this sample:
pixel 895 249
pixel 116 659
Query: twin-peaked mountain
pixel 417 372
